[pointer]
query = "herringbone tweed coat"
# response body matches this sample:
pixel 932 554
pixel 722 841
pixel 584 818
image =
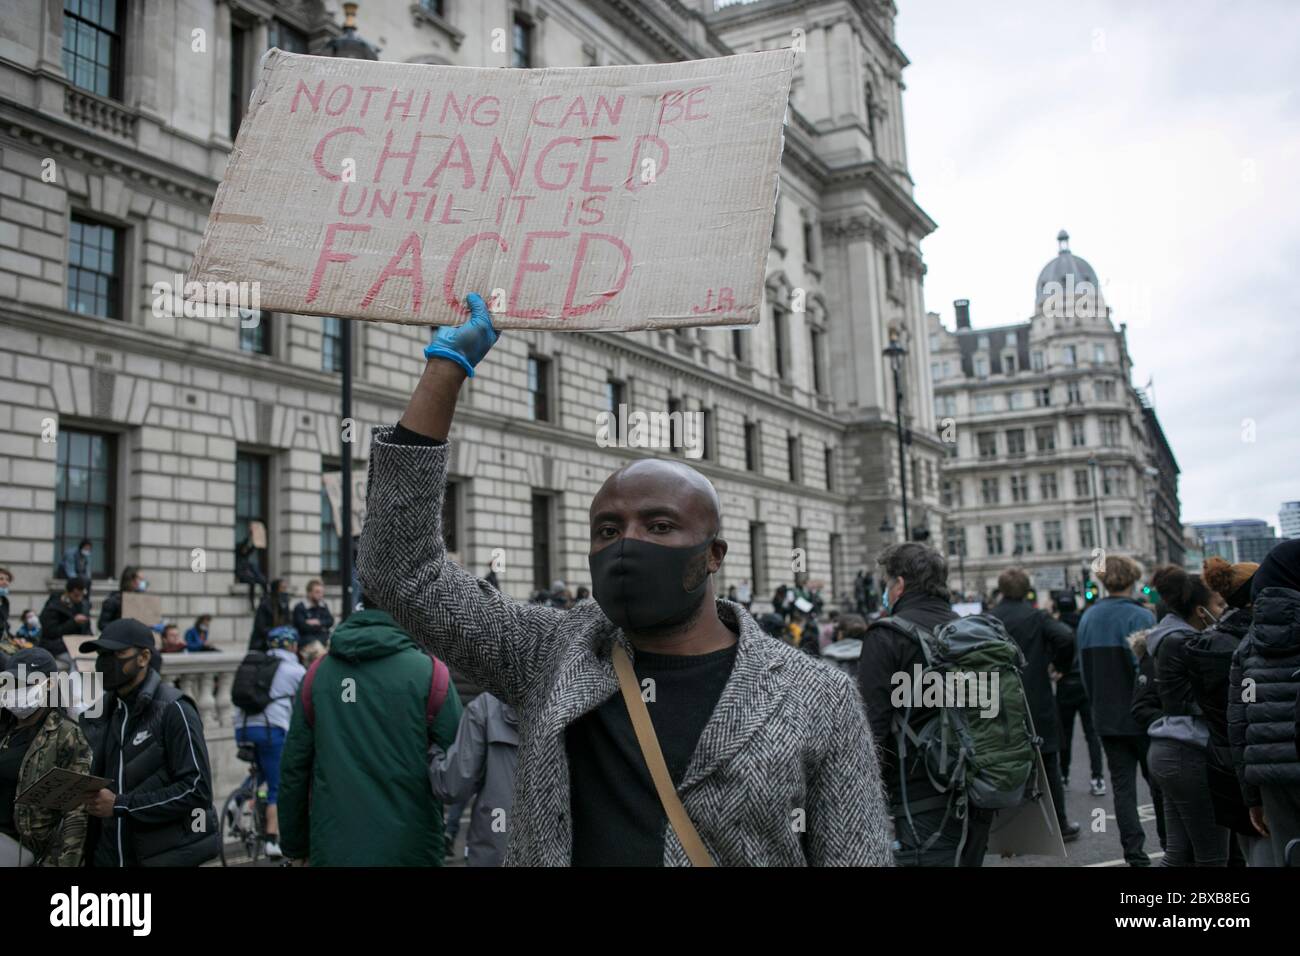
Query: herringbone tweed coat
pixel 784 774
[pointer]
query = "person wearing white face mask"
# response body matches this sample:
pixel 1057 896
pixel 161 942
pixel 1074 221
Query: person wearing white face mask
pixel 36 737
pixel 132 580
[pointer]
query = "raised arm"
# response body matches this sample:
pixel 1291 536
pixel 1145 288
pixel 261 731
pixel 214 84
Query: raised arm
pixel 500 643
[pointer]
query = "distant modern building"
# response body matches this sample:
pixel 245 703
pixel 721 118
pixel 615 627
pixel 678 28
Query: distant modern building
pixel 1246 539
pixel 1288 519
pixel 1052 454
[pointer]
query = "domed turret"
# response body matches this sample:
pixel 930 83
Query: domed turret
pixel 1067 271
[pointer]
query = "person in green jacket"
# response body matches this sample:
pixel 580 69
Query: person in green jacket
pixel 354 782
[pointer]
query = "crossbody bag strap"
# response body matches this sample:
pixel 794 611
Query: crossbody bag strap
pixel 654 759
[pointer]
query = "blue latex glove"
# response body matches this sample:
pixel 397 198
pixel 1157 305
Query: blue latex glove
pixel 465 344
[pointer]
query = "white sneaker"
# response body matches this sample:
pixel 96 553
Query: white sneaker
pixel 273 850
pixel 1098 787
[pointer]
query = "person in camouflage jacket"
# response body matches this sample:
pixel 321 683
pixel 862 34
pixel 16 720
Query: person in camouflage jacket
pixel 55 838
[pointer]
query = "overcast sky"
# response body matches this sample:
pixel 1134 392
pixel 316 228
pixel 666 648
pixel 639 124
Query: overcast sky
pixel 1165 137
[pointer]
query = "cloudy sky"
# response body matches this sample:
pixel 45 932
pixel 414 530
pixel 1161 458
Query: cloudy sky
pixel 1165 137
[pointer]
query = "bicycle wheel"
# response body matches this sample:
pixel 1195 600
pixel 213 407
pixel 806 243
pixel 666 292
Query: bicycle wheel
pixel 230 823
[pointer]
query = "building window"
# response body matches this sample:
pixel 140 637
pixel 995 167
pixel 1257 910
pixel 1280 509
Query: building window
pixel 828 455
pixel 331 344
pixel 956 541
pixel 95 268
pixel 539 390
pixel 794 450
pixel 1082 487
pixel 987 443
pixel 1009 363
pixel 1114 480
pixel 92 45
pixel 738 345
pixel 1047 489
pixel 757 548
pixel 982 343
pixel 1052 540
pixel 751 446
pixel 451 517
pixel 1015 400
pixel 240 37
pixel 808 242
pixel 1119 532
pixel 615 398
pixel 288 38
pixel 437 8
pixel 252 499
pixel 993 539
pixel 1110 432
pixel 331 541
pixel 85 496
pixel 983 404
pixel 541 541
pixel 1067 355
pixel 1024 532
pixel 1078 433
pixel 1015 443
pixel 1099 354
pixel 1087 537
pixel 981 367
pixel 1073 394
pixel 675 424
pixel 780 334
pixel 255 331
pixel 815 348
pixel 1104 389
pixel 521 47
pixel 1036 361
pixel 951 493
pixel 1043 397
pixel 989 493
pixel 1019 488
pixel 1045 438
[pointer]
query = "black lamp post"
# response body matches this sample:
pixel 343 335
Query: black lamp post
pixel 896 353
pixel 348 45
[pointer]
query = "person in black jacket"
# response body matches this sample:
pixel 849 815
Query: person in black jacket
pixel 312 618
pixel 272 612
pixel 1180 739
pixel 1263 685
pixel 150 743
pixel 64 615
pixel 111 610
pixel 1210 663
pixel 916 579
pixel 1046 643
pixel 1072 699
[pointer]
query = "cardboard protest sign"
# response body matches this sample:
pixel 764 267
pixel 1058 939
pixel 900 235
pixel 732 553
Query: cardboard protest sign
pixel 615 198
pixel 59 789
pixel 1030 829
pixel 145 608
pixel 257 534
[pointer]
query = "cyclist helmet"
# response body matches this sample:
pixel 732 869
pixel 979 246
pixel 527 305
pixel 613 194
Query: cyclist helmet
pixel 283 637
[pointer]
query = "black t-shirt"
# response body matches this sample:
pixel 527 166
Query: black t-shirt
pixel 617 817
pixel 14 743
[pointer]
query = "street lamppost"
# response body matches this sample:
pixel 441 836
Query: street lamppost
pixel 1096 503
pixel 349 45
pixel 896 353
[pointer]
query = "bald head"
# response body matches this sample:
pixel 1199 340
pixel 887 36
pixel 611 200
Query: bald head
pixel 654 499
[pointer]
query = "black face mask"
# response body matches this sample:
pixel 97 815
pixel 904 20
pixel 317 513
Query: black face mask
pixel 114 670
pixel 639 584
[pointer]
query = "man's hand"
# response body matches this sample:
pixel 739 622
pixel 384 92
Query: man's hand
pixel 465 344
pixel 100 803
pixel 452 354
pixel 80 618
pixel 314 622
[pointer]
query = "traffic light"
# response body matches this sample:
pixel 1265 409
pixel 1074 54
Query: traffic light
pixel 1089 591
pixel 1146 590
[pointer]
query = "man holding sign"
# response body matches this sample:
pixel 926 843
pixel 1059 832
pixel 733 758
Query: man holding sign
pixel 751 753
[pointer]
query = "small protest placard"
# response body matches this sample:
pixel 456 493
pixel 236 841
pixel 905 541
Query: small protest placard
pixel 64 790
pixel 257 534
pixel 145 608
pixel 611 198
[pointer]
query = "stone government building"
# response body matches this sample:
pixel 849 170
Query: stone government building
pixel 1054 452
pixel 173 433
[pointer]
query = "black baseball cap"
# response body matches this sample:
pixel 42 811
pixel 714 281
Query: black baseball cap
pixel 123 633
pixel 36 660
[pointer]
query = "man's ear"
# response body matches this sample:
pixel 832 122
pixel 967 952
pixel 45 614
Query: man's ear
pixel 717 551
